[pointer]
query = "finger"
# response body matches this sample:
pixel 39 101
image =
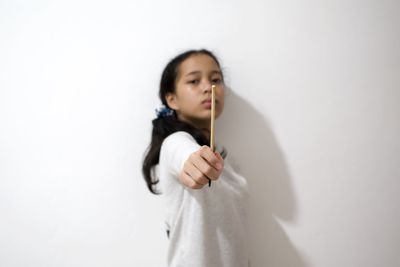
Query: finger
pixel 219 156
pixel 205 168
pixel 211 158
pixel 187 180
pixel 195 173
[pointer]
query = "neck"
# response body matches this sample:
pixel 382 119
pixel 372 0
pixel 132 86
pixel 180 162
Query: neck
pixel 204 126
pixel 206 132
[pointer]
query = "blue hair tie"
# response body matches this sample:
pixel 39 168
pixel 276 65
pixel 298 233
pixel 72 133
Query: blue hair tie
pixel 164 111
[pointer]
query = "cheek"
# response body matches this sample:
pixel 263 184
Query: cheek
pixel 220 106
pixel 184 94
pixel 221 97
pixel 188 99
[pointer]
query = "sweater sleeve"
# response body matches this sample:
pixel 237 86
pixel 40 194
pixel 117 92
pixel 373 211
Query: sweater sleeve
pixel 175 150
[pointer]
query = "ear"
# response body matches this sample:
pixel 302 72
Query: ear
pixel 172 101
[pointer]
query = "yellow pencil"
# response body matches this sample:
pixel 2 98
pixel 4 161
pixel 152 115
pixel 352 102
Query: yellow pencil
pixel 212 140
pixel 212 144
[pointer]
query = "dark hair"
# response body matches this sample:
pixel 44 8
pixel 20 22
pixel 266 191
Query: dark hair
pixel 166 125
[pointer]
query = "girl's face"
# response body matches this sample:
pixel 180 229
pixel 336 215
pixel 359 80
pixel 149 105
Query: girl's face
pixel 192 97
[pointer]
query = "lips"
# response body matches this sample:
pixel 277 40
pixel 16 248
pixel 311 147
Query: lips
pixel 207 103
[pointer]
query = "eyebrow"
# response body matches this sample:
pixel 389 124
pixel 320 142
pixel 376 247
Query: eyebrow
pixel 197 71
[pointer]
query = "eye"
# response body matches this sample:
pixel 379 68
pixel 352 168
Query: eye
pixel 216 81
pixel 193 81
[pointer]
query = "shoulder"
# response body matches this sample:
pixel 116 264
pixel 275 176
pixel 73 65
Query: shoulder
pixel 178 138
pixel 178 143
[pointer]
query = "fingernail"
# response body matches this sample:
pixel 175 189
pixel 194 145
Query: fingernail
pixel 218 166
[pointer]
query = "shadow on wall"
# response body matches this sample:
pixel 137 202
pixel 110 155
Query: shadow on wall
pixel 254 153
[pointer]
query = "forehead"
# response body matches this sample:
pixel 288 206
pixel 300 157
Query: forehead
pixel 198 62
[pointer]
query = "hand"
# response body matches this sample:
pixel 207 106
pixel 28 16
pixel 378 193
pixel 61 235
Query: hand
pixel 201 165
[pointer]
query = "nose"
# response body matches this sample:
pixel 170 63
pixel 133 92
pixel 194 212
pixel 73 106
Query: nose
pixel 207 87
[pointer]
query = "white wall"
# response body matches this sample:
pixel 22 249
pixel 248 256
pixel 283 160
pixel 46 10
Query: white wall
pixel 312 120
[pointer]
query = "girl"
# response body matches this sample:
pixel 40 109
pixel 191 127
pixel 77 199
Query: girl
pixel 205 225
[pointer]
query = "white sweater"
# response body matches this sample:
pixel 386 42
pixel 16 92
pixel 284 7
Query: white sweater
pixel 207 227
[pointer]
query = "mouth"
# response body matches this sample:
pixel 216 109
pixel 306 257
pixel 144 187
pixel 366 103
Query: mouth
pixel 207 103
